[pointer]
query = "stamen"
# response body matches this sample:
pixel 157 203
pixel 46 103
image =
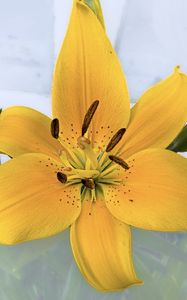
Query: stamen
pixel 111 181
pixel 89 115
pixel 89 183
pixel 62 177
pixel 108 171
pixel 1 110
pixel 115 139
pixel 55 128
pixel 84 173
pixel 119 161
pixel 103 158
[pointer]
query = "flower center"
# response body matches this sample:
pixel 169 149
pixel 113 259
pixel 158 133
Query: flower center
pixel 91 167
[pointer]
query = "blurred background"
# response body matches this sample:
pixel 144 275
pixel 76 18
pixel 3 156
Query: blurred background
pixel 150 38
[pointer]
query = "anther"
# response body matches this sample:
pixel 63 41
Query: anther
pixel 89 115
pixel 55 128
pixel 1 110
pixel 89 183
pixel 119 161
pixel 62 177
pixel 115 139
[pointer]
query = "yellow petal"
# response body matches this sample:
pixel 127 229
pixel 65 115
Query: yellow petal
pixel 153 195
pixel 34 203
pixel 87 70
pixel 24 130
pixel 158 116
pixel 102 248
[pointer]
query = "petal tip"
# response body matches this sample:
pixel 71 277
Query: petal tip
pixel 177 69
pixel 180 74
pixel 136 282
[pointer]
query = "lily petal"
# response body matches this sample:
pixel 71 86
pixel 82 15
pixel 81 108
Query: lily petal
pixel 158 116
pixel 87 70
pixel 102 248
pixel 34 203
pixel 153 195
pixel 25 130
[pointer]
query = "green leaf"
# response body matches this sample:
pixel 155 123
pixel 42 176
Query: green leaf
pixel 96 8
pixel 180 142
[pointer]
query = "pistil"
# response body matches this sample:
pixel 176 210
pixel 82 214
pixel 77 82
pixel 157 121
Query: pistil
pixel 86 146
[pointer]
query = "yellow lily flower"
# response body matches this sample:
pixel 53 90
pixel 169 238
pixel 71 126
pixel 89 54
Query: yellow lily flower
pixel 97 166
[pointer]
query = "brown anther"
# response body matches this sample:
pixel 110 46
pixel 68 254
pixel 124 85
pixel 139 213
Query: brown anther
pixel 55 128
pixel 89 183
pixel 119 161
pixel 115 139
pixel 89 115
pixel 1 110
pixel 62 177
